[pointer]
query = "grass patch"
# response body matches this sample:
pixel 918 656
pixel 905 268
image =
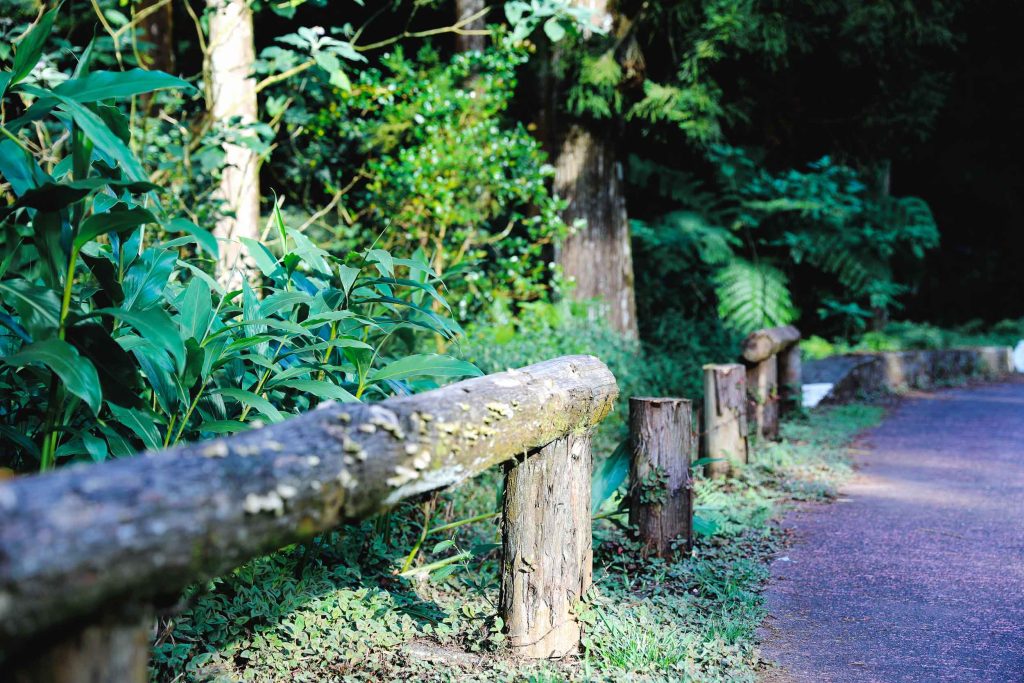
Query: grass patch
pixel 334 610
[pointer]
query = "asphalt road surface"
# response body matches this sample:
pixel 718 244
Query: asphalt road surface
pixel 917 572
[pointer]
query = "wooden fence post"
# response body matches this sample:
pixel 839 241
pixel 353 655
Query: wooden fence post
pixel 725 417
pixel 763 387
pixel 790 379
pixel 547 556
pixel 661 485
pixel 114 648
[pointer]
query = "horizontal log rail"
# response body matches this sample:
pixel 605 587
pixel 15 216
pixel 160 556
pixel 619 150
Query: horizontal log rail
pixel 78 542
pixel 762 344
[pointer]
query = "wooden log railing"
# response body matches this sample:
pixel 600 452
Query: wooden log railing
pixel 85 550
pixel 772 357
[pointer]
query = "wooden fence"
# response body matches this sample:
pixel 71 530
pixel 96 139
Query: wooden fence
pixel 87 552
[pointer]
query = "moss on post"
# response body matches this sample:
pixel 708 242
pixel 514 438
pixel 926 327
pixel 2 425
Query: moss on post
pixel 661 439
pixel 546 547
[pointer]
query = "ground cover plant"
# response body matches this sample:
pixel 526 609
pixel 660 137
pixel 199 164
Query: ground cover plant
pixel 349 607
pixel 910 336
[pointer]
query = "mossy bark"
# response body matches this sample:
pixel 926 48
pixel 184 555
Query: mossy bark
pixel 661 485
pixel 147 526
pixel 547 556
pixel 114 647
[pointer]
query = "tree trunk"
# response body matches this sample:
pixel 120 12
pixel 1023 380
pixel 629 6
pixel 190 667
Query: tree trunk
pixel 661 486
pixel 546 547
pixel 234 107
pixel 597 259
pixel 790 379
pixel 158 29
pixel 763 396
pixel 113 648
pixel 725 418
pixel 467 8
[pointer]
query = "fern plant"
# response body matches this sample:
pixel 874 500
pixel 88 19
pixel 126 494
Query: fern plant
pixel 752 296
pixel 823 216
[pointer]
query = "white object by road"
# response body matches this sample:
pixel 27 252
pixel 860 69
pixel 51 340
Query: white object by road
pixel 814 393
pixel 1018 356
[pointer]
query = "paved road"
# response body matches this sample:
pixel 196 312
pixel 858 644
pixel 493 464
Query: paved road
pixel 917 573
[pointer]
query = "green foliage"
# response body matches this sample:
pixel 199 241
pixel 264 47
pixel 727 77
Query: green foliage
pixel 751 297
pixel 824 217
pixel 909 336
pixel 113 341
pixel 419 151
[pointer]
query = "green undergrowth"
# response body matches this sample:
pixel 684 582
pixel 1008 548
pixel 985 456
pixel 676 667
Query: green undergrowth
pixel 340 608
pixel 911 336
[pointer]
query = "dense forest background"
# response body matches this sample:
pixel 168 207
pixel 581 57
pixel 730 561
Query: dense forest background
pixel 217 214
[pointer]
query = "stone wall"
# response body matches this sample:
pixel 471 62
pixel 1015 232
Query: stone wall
pixel 860 375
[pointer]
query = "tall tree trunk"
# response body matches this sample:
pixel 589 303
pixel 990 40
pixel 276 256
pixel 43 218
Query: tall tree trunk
pixel 233 87
pixel 467 8
pixel 598 258
pixel 158 31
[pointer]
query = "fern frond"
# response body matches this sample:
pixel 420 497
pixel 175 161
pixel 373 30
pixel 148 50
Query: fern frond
pixel 751 297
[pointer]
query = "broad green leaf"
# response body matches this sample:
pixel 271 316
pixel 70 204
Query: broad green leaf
pixel 95 447
pixel 425 365
pixel 158 369
pixel 5 80
pixel 255 401
pixel 284 301
pixel 348 277
pixel 99 133
pixel 324 390
pixel 554 29
pixel 38 307
pixel 385 263
pixel 196 308
pixel 104 85
pixel 607 479
pixel 314 256
pixel 199 273
pixel 222 426
pixel 139 423
pixel 53 196
pixel 112 221
pixel 118 445
pixel 261 255
pixel 146 278
pixel 30 47
pixel 441 546
pixel 204 237
pixel 20 169
pixel 21 441
pixel 252 316
pixel 156 327
pixel 76 373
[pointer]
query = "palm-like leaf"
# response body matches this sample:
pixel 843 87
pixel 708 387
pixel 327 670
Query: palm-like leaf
pixel 753 296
